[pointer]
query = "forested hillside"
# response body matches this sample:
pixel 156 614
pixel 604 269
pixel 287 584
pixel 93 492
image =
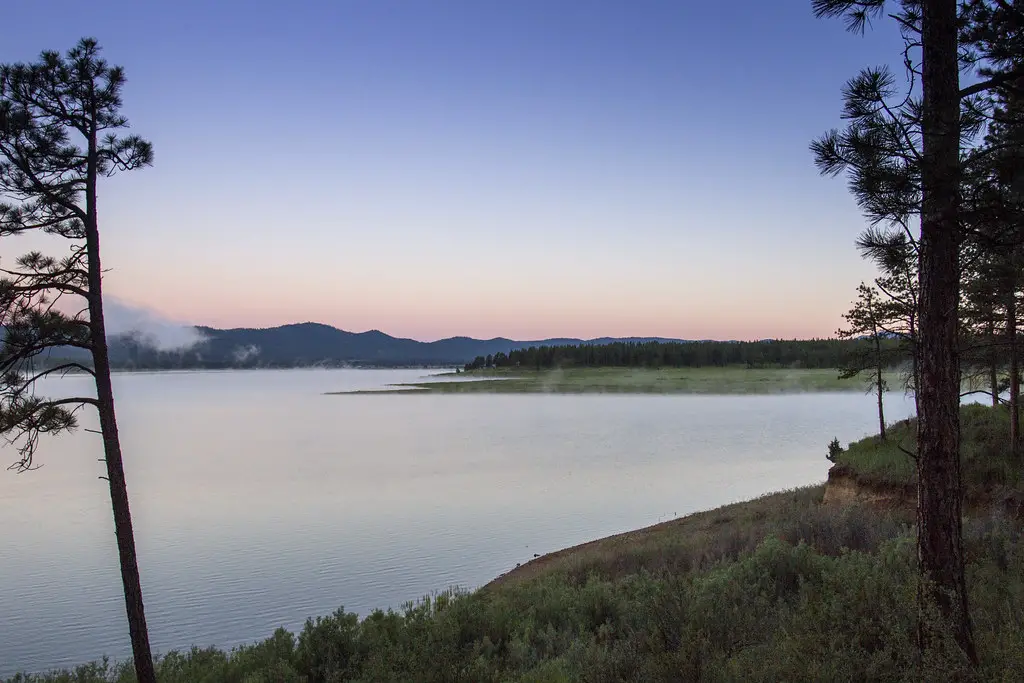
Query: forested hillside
pixel 302 345
pixel 812 353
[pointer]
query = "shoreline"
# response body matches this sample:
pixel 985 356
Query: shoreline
pixel 645 381
pixel 700 524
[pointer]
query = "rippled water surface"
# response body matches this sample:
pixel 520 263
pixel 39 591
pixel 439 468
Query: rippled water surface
pixel 259 501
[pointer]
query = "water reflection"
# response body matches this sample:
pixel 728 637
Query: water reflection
pixel 258 501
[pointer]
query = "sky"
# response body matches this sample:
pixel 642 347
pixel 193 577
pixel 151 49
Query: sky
pixel 526 169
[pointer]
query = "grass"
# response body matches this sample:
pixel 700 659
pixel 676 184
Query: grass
pixel 703 540
pixel 705 380
pixel 988 464
pixel 783 587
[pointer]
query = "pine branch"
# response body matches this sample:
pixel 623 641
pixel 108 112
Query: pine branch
pixel 858 13
pixel 63 368
pixel 993 82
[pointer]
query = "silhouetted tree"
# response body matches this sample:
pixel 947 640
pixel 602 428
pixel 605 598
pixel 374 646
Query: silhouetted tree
pixel 981 336
pixel 867 318
pixel 903 156
pixel 993 215
pixel 1006 212
pixel 59 123
pixel 893 249
pixel 992 293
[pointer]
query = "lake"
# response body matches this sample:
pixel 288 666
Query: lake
pixel 258 501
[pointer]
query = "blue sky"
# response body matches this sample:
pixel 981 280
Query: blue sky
pixel 526 169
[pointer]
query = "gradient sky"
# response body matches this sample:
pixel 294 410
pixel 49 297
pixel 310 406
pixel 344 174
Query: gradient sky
pixel 529 169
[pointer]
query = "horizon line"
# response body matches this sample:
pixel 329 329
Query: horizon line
pixel 654 337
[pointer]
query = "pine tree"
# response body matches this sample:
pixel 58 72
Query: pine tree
pixel 994 207
pixel 869 318
pixel 59 136
pixel 902 153
pixel 894 250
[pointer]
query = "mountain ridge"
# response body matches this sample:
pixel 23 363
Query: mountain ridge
pixel 312 343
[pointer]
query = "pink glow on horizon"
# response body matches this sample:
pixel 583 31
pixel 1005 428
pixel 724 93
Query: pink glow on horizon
pixel 468 301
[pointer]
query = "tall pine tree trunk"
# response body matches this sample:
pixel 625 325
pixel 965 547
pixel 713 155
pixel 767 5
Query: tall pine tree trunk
pixel 1014 112
pixel 881 410
pixel 130 578
pixel 915 355
pixel 1011 340
pixel 993 360
pixel 940 542
pixel 879 385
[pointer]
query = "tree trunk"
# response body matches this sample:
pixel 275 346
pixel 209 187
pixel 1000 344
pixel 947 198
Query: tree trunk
pixel 940 542
pixel 1011 340
pixel 144 670
pixel 880 386
pixel 1014 107
pixel 915 353
pixel 993 361
pixel 881 410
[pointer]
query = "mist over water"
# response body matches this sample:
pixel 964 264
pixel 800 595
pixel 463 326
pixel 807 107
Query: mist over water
pixel 147 326
pixel 245 353
pixel 258 501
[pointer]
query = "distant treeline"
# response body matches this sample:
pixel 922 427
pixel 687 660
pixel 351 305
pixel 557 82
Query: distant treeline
pixel 810 353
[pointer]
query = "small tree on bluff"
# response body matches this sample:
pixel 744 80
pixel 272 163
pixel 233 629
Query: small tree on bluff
pixel 59 123
pixel 868 318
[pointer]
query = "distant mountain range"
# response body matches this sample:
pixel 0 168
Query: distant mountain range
pixel 308 344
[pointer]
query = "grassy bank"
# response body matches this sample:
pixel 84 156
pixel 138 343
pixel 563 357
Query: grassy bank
pixel 783 587
pixel 706 380
pixel 989 466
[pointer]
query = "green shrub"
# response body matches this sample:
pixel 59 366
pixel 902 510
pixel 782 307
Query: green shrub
pixel 328 648
pixel 834 450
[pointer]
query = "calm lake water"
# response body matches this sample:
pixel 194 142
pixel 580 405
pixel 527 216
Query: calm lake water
pixel 258 501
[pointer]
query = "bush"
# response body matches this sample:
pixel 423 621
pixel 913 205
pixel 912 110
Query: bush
pixel 786 611
pixel 834 450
